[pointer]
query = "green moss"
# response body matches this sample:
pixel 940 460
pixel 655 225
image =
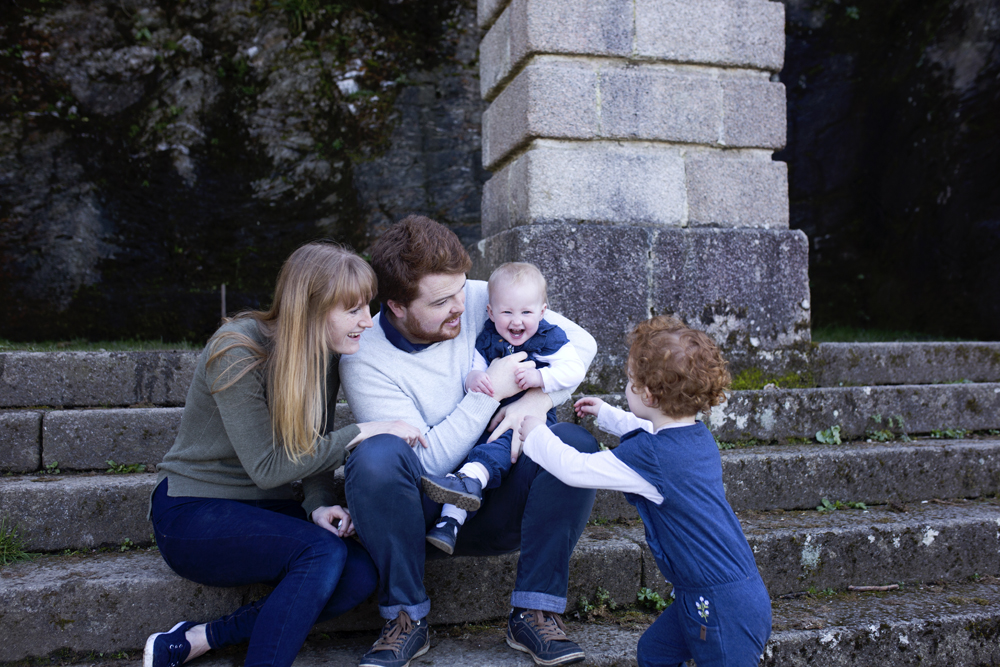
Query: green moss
pixel 755 378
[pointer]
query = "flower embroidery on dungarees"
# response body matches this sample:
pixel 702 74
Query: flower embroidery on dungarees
pixel 702 606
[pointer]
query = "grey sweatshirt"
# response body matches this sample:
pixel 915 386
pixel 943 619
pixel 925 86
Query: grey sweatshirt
pixel 426 388
pixel 224 448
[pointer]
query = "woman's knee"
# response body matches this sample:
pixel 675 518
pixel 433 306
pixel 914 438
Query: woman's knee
pixel 377 457
pixel 576 436
pixel 322 559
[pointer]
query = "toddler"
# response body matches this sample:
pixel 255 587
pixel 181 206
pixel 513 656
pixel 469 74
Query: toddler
pixel 517 304
pixel 669 467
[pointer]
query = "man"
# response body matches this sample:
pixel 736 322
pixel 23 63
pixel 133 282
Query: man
pixel 411 366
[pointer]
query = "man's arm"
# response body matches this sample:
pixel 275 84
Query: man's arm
pixel 583 343
pixel 374 396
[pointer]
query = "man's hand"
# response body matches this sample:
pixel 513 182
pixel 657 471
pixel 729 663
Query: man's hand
pixel 327 516
pixel 529 424
pixel 479 381
pixel 588 405
pixel 534 403
pixel 501 373
pixel 528 378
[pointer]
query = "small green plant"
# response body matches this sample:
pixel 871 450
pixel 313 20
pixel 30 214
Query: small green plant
pixel 887 429
pixel 52 468
pixel 830 436
pixel 127 545
pixel 12 544
pixel 950 433
pixel 124 469
pixel 601 606
pixel 827 506
pixel 143 35
pixel 650 599
pixel 826 592
pixel 852 12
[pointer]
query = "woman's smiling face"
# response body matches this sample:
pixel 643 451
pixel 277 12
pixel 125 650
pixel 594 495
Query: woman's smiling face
pixel 344 327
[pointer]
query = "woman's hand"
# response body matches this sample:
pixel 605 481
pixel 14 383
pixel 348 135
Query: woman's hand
pixel 588 405
pixel 410 434
pixel 334 518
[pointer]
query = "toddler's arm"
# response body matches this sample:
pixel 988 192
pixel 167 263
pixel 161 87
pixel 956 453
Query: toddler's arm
pixel 619 422
pixel 565 370
pixel 601 470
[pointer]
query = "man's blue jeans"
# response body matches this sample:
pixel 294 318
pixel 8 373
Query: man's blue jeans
pixel 217 542
pixel 531 510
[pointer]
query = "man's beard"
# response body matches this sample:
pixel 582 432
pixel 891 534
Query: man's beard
pixel 438 335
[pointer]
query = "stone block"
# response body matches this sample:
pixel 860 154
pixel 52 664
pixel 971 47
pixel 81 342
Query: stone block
pixel 597 276
pixel 20 441
pixel 83 379
pixel 858 411
pixel 796 551
pixel 56 512
pixel 602 559
pixel 660 103
pixel 747 288
pixel 905 363
pixel 755 112
pixel 487 11
pixel 733 33
pixel 529 27
pixel 86 439
pixel 736 191
pixel 553 99
pixel 601 182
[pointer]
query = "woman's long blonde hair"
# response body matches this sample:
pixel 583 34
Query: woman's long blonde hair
pixel 313 280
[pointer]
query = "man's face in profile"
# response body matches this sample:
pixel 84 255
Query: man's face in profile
pixel 436 313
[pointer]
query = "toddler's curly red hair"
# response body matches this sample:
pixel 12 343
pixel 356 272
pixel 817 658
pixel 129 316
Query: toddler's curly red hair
pixel 682 368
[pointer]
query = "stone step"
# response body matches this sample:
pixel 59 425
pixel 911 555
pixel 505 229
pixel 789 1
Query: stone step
pixel 938 624
pixel 50 602
pixel 867 364
pixel 90 379
pixel 785 415
pixel 67 511
pixel 86 439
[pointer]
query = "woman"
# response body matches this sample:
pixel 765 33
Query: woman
pixel 259 414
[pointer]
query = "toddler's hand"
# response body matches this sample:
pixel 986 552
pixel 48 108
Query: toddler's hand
pixel 588 405
pixel 528 378
pixel 479 381
pixel 528 424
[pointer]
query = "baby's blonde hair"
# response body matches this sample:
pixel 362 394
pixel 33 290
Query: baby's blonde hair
pixel 518 273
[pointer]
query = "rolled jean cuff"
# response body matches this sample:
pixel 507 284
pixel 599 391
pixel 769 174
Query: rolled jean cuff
pixel 415 612
pixel 540 601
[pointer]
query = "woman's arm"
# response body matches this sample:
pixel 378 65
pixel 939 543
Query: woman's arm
pixel 243 410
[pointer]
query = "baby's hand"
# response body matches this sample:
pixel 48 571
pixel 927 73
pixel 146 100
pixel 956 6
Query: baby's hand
pixel 588 405
pixel 527 378
pixel 479 381
pixel 528 424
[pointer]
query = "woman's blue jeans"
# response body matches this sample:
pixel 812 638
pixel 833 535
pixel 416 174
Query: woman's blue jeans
pixel 217 542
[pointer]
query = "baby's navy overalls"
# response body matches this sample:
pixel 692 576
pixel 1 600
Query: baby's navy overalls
pixel 721 614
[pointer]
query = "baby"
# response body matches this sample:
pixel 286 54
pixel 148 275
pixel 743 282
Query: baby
pixel 517 304
pixel 669 467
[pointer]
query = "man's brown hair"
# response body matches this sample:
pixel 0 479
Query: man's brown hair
pixel 682 368
pixel 414 247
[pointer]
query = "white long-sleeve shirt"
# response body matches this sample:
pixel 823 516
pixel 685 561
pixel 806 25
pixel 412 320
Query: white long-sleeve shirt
pixel 565 369
pixel 600 470
pixel 426 388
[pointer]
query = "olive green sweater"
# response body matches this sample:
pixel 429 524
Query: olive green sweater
pixel 224 448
